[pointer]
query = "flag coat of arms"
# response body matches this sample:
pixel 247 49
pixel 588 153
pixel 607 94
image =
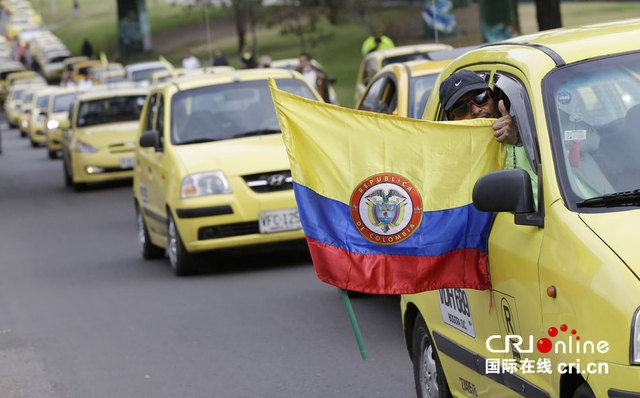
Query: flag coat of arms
pixel 385 202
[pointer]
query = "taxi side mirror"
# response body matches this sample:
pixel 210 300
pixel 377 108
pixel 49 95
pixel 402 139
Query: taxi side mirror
pixel 504 190
pixel 150 139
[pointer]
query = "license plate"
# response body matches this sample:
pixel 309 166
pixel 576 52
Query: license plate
pixel 279 220
pixel 455 311
pixel 126 162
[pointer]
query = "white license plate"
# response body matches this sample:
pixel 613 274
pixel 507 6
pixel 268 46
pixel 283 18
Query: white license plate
pixel 279 220
pixel 126 162
pixel 455 310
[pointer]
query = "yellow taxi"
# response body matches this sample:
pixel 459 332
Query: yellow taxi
pixel 211 169
pixel 99 144
pixel 402 88
pixel 57 117
pixel 24 114
pixel 37 122
pixel 374 61
pixel 7 68
pixel 13 102
pixel 66 75
pixel 80 73
pixel 293 63
pixel 563 316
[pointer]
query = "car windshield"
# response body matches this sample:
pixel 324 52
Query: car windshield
pixel 61 103
pixel 594 110
pixel 144 74
pixel 27 98
pixel 16 94
pixel 110 110
pixel 421 87
pixel 227 111
pixel 42 101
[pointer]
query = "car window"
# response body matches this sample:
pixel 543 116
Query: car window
pixel 370 69
pixel 160 116
pixel 151 110
pixel 61 103
pixel 420 89
pixel 372 96
pixel 42 101
pixel 227 111
pixel 595 113
pixel 144 74
pixel 110 110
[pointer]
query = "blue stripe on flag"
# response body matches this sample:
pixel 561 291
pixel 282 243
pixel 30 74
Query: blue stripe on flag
pixel 329 221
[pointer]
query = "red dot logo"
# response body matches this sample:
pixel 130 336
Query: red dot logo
pixel 564 328
pixel 553 332
pixel 544 345
pixel 574 331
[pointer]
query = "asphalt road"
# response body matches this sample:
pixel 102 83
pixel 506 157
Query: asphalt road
pixel 83 315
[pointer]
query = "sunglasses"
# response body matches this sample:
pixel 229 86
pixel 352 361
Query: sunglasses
pixel 462 108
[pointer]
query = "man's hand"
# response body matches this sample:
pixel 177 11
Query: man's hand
pixel 505 128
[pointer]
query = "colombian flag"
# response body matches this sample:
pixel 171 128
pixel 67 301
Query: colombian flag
pixel 385 202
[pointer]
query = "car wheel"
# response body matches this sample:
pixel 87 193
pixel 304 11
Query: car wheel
pixel 68 180
pixel 53 154
pixel 427 370
pixel 149 250
pixel 33 143
pixel 584 391
pixel 181 260
pixel 23 134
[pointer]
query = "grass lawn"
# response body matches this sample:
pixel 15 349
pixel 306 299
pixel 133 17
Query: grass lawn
pixel 339 53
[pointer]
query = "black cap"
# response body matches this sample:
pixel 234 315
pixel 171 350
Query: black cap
pixel 457 85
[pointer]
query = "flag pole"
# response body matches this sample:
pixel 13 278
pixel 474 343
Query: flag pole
pixel 354 324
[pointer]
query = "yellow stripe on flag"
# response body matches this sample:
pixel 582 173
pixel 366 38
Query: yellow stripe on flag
pixel 333 149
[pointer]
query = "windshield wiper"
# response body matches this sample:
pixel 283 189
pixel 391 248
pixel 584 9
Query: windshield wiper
pixel 631 198
pixel 198 141
pixel 257 132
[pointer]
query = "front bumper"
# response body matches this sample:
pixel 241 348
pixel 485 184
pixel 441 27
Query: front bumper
pixel 99 166
pixel 223 221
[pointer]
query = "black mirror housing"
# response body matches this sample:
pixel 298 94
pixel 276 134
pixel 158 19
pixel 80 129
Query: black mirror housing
pixel 150 139
pixel 504 190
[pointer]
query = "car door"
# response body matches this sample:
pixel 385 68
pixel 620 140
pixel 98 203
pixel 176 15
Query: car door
pixel 144 176
pixel 157 173
pixel 514 247
pixel 505 316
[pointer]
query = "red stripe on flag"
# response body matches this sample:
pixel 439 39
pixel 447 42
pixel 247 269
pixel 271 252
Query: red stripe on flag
pixel 396 274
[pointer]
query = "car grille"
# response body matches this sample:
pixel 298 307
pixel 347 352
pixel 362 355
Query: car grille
pixel 270 182
pixel 228 230
pixel 121 147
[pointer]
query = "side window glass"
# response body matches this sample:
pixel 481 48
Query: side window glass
pixel 151 110
pixel 389 98
pixel 160 118
pixel 510 89
pixel 372 96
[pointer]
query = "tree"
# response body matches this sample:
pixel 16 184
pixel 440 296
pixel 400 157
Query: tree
pixel 548 14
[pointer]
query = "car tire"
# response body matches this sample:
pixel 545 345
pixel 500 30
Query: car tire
pixel 149 250
pixel 427 370
pixel 23 134
pixel 33 143
pixel 181 260
pixel 584 391
pixel 53 154
pixel 68 180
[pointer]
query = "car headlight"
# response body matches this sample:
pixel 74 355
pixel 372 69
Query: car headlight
pixel 203 184
pixel 635 338
pixel 85 148
pixel 52 124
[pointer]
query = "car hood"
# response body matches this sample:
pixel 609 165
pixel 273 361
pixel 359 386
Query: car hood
pixel 618 231
pixel 107 134
pixel 235 157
